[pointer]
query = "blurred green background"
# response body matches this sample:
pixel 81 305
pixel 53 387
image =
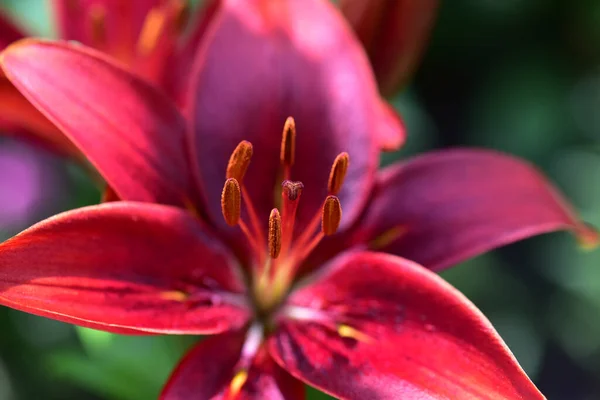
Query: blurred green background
pixel 522 76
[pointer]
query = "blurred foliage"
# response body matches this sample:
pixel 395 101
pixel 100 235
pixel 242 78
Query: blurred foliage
pixel 522 76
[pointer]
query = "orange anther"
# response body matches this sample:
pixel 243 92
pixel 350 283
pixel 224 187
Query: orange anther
pixel 338 173
pixel 274 233
pixel 239 161
pixel 332 215
pixel 97 24
pixel 151 31
pixel 231 202
pixel 180 13
pixel 288 143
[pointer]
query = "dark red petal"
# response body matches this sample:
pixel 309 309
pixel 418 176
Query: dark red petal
pixel 415 336
pixel 263 61
pixel 132 134
pixel 124 267
pixel 9 32
pixel 447 206
pixel 209 368
pixel 18 117
pixel 394 33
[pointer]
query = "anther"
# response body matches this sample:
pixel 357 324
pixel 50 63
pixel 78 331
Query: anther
pixel 180 13
pixel 239 161
pixel 332 215
pixel 231 199
pixel 274 233
pixel 288 143
pixel 151 31
pixel 338 173
pixel 97 24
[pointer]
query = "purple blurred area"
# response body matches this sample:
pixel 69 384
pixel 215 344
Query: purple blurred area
pixel 32 185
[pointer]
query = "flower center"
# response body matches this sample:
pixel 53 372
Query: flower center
pixel 278 254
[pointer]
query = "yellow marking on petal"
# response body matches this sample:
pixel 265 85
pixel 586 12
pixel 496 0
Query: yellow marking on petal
pixel 588 239
pixel 388 237
pixel 151 31
pixel 347 331
pixel 176 295
pixel 237 382
pixel 191 207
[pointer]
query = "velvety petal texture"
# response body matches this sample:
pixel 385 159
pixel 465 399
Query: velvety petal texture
pixel 380 327
pixel 124 267
pixel 209 372
pixel 132 133
pixel 394 34
pixel 444 207
pixel 263 61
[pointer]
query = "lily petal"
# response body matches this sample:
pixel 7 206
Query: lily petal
pixel 442 208
pixel 394 34
pixel 18 117
pixel 376 326
pixel 124 267
pixel 131 133
pixel 209 370
pixel 263 61
pixel 9 31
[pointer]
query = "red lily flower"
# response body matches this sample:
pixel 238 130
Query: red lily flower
pixel 155 39
pixel 286 304
pixel 394 34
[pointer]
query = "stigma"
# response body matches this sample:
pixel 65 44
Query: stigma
pixel 276 250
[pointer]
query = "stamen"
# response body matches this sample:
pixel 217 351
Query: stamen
pixel 151 31
pixel 274 233
pixel 338 173
pixel 236 169
pixel 290 194
pixel 231 199
pixel 180 10
pixel 332 215
pixel 97 24
pixel 239 161
pixel 288 146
